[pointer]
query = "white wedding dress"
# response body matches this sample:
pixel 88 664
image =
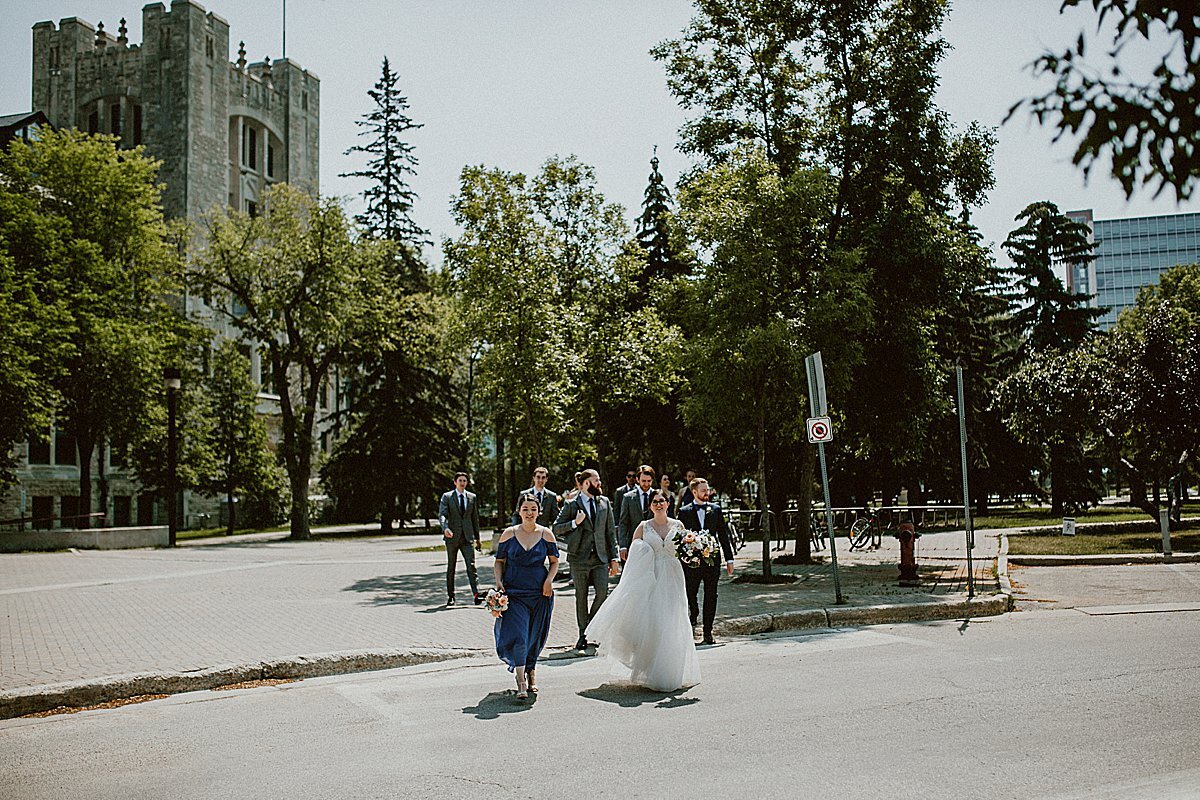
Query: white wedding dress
pixel 643 628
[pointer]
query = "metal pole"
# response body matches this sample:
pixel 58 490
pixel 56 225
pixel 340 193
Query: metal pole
pixel 837 582
pixel 1164 522
pixel 284 28
pixel 962 441
pixel 172 381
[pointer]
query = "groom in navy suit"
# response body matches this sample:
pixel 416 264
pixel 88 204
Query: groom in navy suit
pixel 701 515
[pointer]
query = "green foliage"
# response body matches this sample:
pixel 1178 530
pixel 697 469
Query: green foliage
pixel 1048 316
pixel 90 236
pixel 770 292
pixel 391 161
pixel 300 282
pixel 241 463
pixel 403 436
pixel 1148 128
pixel 1050 401
pixel 663 261
pixel 1149 396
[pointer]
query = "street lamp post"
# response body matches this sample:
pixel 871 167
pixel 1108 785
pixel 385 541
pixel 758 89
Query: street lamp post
pixel 172 382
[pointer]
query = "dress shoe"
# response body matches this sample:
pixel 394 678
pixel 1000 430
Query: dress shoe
pixel 449 601
pixel 581 644
pixel 709 640
pixel 478 599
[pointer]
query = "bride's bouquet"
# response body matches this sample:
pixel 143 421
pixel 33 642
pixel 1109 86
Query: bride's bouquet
pixel 696 548
pixel 497 602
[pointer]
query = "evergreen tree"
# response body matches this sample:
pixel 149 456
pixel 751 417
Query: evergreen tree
pixel 1049 316
pixel 654 233
pixel 403 430
pixel 391 162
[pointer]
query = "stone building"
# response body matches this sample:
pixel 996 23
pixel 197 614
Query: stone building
pixel 224 131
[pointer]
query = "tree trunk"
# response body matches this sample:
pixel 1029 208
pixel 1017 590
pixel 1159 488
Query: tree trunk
pixel 804 532
pixel 231 521
pixel 102 500
pixel 1057 480
pixel 85 446
pixel 762 492
pixel 386 516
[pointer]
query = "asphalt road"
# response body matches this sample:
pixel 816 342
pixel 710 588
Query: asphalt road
pixel 1056 704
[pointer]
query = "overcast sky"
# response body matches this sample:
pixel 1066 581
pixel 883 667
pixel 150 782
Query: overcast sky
pixel 508 83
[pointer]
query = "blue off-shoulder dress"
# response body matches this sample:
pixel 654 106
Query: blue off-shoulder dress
pixel 522 630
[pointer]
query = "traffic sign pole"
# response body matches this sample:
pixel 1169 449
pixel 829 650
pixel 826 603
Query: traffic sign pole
pixel 819 408
pixel 962 441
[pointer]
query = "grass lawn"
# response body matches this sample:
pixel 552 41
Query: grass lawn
pixel 1100 544
pixel 1031 517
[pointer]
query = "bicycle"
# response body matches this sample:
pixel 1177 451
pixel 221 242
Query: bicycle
pixel 866 531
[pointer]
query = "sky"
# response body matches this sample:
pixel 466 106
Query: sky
pixel 509 83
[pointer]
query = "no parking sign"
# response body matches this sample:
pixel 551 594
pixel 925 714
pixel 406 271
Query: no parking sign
pixel 820 430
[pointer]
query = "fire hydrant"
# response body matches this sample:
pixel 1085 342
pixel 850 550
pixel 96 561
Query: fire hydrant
pixel 908 560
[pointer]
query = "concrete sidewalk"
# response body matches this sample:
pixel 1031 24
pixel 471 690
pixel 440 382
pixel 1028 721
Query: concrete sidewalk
pixel 81 627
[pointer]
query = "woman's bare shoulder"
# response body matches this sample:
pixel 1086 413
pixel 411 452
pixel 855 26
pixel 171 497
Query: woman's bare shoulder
pixel 509 533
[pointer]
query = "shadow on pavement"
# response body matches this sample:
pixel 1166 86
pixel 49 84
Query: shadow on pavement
pixel 497 703
pixel 628 696
pixel 417 590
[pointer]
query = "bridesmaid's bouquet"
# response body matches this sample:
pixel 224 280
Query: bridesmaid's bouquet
pixel 696 548
pixel 497 602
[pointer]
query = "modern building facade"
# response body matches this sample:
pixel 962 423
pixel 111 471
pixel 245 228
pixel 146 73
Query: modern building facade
pixel 224 131
pixel 1130 254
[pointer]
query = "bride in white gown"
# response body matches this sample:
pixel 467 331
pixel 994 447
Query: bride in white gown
pixel 643 626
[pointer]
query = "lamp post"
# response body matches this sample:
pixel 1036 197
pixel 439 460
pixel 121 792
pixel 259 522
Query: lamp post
pixel 172 382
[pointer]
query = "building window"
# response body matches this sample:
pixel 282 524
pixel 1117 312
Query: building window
pixel 145 509
pixel 252 148
pixel 43 512
pixel 208 47
pixel 114 119
pixel 64 450
pixel 252 208
pixel 122 511
pixel 93 123
pixel 304 101
pixel 270 160
pixel 39 451
pixel 69 513
pixel 264 371
pixel 137 125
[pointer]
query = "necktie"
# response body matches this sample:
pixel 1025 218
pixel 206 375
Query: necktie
pixel 462 504
pixel 592 509
pixel 645 502
pixel 539 496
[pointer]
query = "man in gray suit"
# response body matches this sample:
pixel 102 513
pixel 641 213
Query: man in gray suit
pixel 459 515
pixel 586 523
pixel 547 500
pixel 635 507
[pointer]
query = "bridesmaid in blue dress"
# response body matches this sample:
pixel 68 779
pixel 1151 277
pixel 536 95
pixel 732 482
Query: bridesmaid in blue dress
pixel 521 573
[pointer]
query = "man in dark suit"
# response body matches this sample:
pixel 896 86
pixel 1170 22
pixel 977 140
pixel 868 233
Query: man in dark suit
pixel 635 508
pixel 586 523
pixel 547 500
pixel 701 515
pixel 628 486
pixel 459 515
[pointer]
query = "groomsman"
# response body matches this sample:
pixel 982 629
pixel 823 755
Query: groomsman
pixel 459 515
pixel 586 523
pixel 635 507
pixel 701 515
pixel 685 494
pixel 547 500
pixel 629 485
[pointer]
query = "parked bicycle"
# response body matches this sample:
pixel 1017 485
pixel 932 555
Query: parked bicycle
pixel 867 531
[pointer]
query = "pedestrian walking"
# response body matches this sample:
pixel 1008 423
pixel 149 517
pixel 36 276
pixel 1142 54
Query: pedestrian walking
pixel 458 512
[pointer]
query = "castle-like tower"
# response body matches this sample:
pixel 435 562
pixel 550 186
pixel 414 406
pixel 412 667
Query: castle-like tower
pixel 224 131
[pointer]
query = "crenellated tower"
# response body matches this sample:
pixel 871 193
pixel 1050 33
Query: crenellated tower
pixel 223 130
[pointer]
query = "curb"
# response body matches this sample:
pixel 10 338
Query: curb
pixel 74 694
pixel 1104 560
pixel 884 613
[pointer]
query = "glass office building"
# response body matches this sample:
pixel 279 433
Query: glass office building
pixel 1130 254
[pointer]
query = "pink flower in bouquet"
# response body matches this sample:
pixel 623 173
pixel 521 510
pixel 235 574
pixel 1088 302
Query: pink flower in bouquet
pixel 689 537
